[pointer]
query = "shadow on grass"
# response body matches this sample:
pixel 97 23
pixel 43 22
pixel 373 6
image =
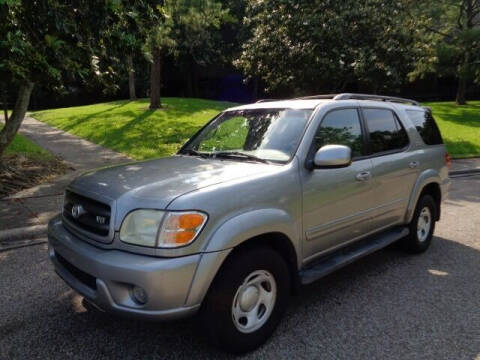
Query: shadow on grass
pixel 462 148
pixel 78 120
pixel 467 115
pixel 139 131
pixel 156 131
pixel 180 107
pixel 155 143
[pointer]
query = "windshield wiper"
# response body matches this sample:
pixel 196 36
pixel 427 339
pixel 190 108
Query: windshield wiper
pixel 239 155
pixel 225 154
pixel 195 153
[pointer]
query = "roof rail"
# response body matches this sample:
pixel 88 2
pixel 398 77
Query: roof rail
pixel 348 96
pixel 265 100
pixel 317 97
pixel 352 96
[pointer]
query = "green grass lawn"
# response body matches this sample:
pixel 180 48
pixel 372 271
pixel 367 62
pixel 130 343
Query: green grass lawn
pixel 130 127
pixel 21 145
pixel 460 127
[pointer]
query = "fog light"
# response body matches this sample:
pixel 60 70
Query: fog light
pixel 139 295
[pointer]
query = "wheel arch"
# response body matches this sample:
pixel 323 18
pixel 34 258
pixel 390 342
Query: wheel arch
pixel 211 264
pixel 278 242
pixel 433 189
pixel 428 183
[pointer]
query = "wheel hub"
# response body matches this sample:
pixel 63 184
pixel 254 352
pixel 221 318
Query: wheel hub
pixel 254 301
pixel 424 224
pixel 248 298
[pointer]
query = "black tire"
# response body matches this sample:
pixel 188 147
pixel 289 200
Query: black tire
pixel 217 314
pixel 413 243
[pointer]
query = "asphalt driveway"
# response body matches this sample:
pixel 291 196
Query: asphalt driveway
pixel 386 306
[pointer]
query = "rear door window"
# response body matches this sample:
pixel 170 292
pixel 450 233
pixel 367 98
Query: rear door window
pixel 385 131
pixel 426 126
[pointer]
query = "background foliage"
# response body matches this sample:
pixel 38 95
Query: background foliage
pixel 78 51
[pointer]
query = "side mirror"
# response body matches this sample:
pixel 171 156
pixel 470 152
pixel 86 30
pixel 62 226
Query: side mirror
pixel 332 156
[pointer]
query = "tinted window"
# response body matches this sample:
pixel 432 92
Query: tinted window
pixel 426 126
pixel 386 133
pixel 341 127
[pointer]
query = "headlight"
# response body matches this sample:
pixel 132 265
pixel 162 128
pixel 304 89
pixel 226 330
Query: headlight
pixel 140 227
pixel 162 229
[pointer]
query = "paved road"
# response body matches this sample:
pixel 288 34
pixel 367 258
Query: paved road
pixel 387 306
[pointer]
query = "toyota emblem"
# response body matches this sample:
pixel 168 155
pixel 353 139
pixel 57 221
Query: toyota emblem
pixel 77 211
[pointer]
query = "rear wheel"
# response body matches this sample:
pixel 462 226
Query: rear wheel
pixel 422 225
pixel 246 300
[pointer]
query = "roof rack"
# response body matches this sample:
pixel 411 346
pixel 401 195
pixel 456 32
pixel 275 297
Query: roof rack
pixel 265 100
pixel 351 96
pixel 317 97
pixel 348 96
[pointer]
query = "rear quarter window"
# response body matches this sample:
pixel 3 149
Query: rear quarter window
pixel 426 126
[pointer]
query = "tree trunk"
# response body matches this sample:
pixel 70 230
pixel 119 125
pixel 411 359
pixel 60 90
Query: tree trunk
pixel 255 89
pixel 155 78
pixel 195 87
pixel 462 80
pixel 463 72
pixel 188 82
pixel 131 77
pixel 5 104
pixel 21 105
pixel 462 86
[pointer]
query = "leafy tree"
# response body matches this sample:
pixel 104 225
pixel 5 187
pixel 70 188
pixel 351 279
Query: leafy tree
pixel 158 40
pixel 198 37
pixel 127 37
pixel 47 42
pixel 326 45
pixel 186 29
pixel 448 39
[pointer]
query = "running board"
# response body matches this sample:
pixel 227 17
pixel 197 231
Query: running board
pixel 351 253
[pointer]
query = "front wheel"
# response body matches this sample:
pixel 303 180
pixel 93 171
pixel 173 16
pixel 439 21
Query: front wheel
pixel 246 300
pixel 422 225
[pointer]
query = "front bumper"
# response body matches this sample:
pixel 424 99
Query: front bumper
pixel 106 277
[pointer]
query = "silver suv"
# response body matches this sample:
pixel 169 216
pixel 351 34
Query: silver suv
pixel 264 198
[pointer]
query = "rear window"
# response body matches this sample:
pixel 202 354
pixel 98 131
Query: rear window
pixel 426 126
pixel 385 131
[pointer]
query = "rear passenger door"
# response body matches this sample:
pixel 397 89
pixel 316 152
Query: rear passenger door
pixel 394 169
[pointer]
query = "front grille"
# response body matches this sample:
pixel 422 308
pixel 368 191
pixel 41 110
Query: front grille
pixel 80 275
pixel 90 215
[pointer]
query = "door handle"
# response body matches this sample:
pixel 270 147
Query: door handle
pixel 413 164
pixel 363 176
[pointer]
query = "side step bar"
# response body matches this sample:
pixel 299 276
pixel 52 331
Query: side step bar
pixel 351 253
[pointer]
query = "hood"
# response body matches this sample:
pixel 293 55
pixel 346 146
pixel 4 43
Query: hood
pixel 155 183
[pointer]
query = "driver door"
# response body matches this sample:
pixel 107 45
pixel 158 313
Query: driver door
pixel 338 202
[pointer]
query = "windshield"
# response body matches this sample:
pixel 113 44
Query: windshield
pixel 265 134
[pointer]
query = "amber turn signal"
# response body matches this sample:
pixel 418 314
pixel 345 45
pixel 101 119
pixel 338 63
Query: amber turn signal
pixel 190 221
pixel 181 228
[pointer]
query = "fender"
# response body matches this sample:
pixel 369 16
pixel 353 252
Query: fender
pixel 426 177
pixel 205 272
pixel 232 233
pixel 254 223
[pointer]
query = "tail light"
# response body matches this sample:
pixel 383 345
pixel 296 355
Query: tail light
pixel 448 160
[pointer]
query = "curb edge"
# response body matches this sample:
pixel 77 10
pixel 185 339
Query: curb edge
pixel 17 234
